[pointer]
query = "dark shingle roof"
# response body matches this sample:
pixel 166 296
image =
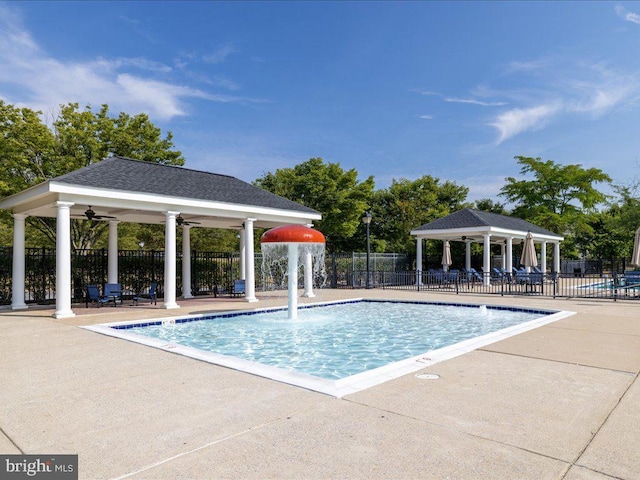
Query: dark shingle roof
pixel 118 173
pixel 469 218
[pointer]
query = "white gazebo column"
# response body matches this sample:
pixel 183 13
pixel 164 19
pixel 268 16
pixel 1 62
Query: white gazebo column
pixel 503 256
pixel 112 254
pixel 186 262
pixel 486 259
pixel 243 254
pixel 509 265
pixel 63 261
pixel 467 255
pixel 18 275
pixel 556 257
pixel 250 280
pixel 543 257
pixel 170 261
pixel 419 260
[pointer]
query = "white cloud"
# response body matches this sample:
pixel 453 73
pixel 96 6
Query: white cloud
pixel 602 101
pixel 426 92
pixel 220 55
pixel 627 15
pixel 473 101
pixel 608 91
pixel 518 120
pixel 426 117
pixel 563 88
pixel 30 77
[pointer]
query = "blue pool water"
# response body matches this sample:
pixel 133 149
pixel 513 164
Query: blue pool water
pixel 337 340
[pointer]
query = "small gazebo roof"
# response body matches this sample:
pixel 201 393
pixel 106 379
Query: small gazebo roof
pixel 470 224
pixel 140 192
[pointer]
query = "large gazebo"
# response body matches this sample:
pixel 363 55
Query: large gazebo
pixel 123 190
pixel 475 226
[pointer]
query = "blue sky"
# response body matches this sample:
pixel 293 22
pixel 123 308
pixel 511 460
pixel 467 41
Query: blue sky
pixel 391 89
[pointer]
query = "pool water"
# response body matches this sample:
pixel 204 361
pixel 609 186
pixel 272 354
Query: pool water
pixel 340 340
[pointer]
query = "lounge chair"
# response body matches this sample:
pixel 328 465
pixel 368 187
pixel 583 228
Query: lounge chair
pixel 151 295
pixel 452 276
pixel 475 275
pixel 93 295
pixel 632 278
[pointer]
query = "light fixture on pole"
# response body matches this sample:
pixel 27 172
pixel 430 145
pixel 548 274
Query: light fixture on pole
pixel 367 221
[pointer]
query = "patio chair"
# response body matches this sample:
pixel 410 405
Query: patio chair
pixel 474 274
pixel 497 273
pixel 521 275
pixel 151 295
pixel 93 295
pixel 238 287
pixel 452 276
pixel 632 278
pixel 114 292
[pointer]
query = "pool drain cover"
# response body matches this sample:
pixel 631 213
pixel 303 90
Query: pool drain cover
pixel 427 376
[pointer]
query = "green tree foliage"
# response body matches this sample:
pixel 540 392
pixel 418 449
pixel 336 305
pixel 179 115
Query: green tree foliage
pixel 558 198
pixel 407 204
pixel 613 229
pixel 31 153
pixel 491 206
pixel 326 187
pixel 26 149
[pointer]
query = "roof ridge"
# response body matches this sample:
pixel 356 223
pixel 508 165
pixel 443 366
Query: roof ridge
pixel 179 167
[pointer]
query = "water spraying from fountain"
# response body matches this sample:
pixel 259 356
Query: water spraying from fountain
pixel 295 245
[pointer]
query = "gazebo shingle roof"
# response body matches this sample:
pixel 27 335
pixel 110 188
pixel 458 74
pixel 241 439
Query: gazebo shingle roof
pixel 118 173
pixel 470 218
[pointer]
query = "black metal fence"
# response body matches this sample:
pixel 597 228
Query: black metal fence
pixel 215 271
pixel 136 270
pixel 611 286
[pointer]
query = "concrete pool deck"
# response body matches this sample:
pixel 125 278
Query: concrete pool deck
pixel 557 402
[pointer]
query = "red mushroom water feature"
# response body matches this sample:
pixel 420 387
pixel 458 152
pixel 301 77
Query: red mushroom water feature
pixel 294 241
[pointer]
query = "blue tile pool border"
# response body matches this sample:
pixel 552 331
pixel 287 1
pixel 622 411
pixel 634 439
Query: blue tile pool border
pixel 197 318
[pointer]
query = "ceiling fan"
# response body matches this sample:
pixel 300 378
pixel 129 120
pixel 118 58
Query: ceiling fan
pixel 181 221
pixel 91 215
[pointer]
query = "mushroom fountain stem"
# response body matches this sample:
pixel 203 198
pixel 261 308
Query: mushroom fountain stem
pixel 293 281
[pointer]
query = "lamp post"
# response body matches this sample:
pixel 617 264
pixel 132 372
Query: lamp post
pixel 367 221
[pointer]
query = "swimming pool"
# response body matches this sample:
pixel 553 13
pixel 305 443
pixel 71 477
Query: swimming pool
pixel 339 347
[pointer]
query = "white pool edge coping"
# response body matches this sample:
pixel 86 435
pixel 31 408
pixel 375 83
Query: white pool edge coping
pixel 335 388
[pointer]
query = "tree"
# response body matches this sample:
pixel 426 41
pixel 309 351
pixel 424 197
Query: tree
pixel 559 198
pixel 27 147
pixel 407 204
pixel 488 205
pixel 32 153
pixel 613 228
pixel 326 187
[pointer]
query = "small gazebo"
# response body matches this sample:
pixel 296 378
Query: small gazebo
pixel 475 226
pixel 120 189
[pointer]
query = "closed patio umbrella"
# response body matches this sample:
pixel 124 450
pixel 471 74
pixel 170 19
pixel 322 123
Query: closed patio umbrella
pixel 635 258
pixel 529 258
pixel 446 255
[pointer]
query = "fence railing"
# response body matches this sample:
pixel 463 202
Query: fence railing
pixel 570 285
pixel 211 271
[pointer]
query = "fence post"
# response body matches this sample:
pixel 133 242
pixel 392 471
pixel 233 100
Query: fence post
pixel 334 273
pixel 43 271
